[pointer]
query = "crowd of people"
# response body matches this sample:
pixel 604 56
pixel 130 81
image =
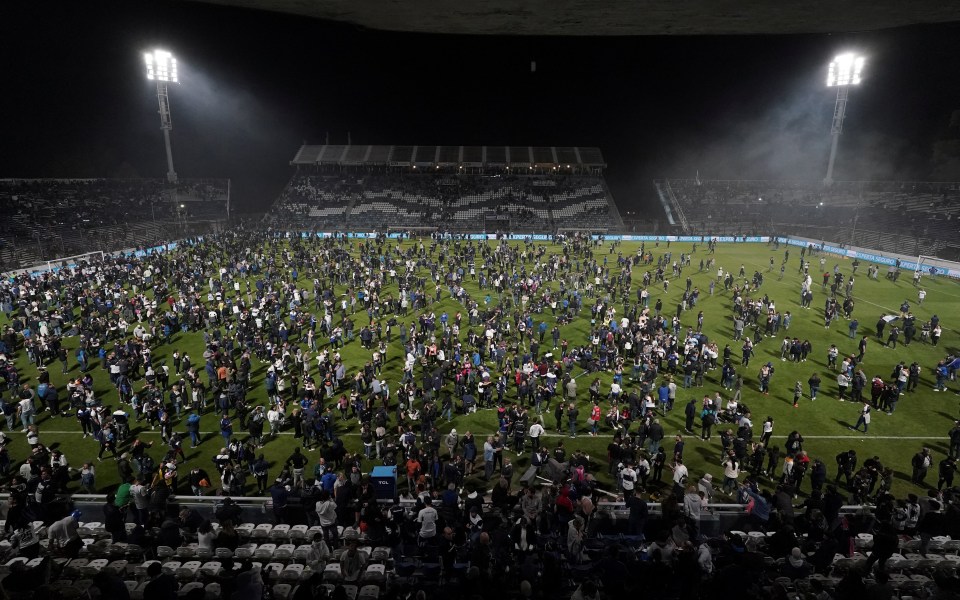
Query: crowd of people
pixel 268 303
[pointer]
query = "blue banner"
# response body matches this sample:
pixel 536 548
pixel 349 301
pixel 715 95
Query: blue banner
pixel 699 239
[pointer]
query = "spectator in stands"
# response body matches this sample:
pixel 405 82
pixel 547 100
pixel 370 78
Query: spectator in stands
pixel 64 534
pixel 162 585
pixel 110 586
pixel 795 566
pixel 327 514
pixel 227 536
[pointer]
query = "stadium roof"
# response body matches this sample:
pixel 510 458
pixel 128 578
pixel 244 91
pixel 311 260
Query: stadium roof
pixel 448 156
pixel 618 17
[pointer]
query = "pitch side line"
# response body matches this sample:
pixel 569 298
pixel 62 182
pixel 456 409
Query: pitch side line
pixel 580 435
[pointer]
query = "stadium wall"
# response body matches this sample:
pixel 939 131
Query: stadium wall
pixel 943 268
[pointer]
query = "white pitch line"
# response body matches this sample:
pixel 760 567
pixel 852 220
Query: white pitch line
pixel 580 435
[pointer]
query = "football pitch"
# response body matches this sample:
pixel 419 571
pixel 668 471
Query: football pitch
pixel 922 417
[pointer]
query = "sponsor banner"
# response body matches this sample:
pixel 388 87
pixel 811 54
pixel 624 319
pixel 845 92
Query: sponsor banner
pixel 537 237
pixel 699 239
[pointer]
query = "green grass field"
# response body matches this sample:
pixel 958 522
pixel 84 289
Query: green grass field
pixel 922 417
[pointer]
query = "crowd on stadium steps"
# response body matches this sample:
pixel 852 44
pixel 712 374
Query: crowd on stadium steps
pixel 81 203
pixel 440 198
pixel 490 355
pixel 902 211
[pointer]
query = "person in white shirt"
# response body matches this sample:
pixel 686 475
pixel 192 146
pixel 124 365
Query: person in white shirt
pixel 679 478
pixel 65 534
pixel 536 430
pixel 275 418
pixel 767 431
pixel 427 517
pixel 628 479
pixel 704 559
pixel 731 473
pixel 615 390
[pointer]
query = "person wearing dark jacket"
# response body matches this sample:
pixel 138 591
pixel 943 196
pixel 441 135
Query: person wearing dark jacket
pixel 110 586
pixel 818 475
pixel 280 494
pixel 832 501
pixel 229 510
pixel 114 520
pixel 690 412
pixel 931 525
pixel 885 544
pixel 170 534
pixel 162 586
pixel 199 480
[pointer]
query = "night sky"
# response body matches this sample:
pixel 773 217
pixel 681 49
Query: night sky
pixel 256 85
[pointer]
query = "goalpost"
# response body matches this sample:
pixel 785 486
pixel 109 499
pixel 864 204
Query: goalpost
pixel 931 266
pixel 69 261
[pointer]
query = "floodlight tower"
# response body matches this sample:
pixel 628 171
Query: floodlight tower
pixel 162 68
pixel 844 71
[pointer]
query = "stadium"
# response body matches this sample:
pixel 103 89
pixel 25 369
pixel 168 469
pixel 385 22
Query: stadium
pixel 416 370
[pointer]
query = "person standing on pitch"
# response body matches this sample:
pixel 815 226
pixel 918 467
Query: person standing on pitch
pixel 864 418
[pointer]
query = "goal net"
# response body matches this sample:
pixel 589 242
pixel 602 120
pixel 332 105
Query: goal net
pixel 931 266
pixel 76 259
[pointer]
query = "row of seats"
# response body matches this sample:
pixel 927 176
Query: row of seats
pixel 277 533
pixel 66 588
pixel 78 573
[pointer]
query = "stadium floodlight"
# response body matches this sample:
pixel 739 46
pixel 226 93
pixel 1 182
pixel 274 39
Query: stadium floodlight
pixel 845 71
pixel 162 68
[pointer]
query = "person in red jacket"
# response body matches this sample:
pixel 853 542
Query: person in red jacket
pixel 595 416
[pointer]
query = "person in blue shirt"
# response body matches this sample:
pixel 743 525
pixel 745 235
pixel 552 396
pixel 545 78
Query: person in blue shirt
pixel 663 395
pixel 226 428
pixel 193 428
pixel 328 480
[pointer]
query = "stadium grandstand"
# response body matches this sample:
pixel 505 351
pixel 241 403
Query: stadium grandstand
pixel 48 219
pixel 449 188
pixel 906 217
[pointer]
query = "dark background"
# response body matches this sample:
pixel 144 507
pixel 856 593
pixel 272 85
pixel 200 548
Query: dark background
pixel 254 86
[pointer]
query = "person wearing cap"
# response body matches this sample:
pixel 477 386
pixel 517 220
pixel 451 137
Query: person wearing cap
pixel 65 533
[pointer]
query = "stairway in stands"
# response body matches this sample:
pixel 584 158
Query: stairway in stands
pixel 349 211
